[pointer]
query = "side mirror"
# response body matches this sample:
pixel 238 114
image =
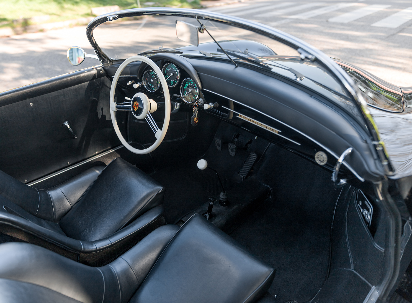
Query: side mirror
pixel 187 32
pixel 76 55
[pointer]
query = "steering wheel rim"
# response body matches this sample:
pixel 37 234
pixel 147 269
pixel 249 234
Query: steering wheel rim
pixel 161 133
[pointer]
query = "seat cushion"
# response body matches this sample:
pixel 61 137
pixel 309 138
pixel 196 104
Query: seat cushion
pixel 64 196
pixel 120 194
pixel 202 264
pixel 29 273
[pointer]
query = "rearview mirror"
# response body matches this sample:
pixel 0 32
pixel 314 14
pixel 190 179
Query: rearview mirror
pixel 187 32
pixel 75 55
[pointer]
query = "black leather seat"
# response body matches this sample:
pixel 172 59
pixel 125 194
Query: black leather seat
pixel 197 263
pixel 92 218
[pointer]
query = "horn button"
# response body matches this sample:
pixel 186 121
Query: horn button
pixel 140 105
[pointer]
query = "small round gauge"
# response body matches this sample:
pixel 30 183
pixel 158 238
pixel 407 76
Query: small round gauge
pixel 150 81
pixel 189 90
pixel 171 73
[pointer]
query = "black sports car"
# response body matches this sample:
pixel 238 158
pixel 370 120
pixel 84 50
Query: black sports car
pixel 206 159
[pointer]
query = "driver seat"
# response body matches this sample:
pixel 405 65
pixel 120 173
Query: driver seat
pixel 92 218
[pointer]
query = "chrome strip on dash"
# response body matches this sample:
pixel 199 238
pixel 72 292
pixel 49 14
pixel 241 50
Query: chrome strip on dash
pixel 259 124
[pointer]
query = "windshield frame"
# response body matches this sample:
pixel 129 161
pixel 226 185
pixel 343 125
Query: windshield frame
pixel 305 49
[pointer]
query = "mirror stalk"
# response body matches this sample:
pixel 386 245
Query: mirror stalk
pixel 91 56
pixel 202 29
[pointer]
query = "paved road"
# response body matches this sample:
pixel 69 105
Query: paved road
pixel 375 35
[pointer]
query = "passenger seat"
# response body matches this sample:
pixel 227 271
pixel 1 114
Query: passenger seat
pixel 196 263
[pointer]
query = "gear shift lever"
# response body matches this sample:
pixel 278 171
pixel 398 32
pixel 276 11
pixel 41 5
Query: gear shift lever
pixel 202 165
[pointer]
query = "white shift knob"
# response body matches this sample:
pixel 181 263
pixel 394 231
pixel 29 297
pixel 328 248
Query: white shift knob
pixel 202 164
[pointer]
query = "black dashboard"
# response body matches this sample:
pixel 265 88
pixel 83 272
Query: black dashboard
pixel 269 106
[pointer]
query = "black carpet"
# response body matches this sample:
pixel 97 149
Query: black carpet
pixel 291 230
pixel 186 188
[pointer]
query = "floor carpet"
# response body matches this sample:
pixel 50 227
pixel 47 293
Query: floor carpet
pixel 291 230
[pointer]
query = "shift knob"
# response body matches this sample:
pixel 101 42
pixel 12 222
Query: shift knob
pixel 202 164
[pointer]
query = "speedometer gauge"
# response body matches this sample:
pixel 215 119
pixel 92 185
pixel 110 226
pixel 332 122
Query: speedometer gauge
pixel 150 81
pixel 189 90
pixel 171 73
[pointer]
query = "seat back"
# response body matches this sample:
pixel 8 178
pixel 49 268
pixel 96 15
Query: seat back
pixel 202 264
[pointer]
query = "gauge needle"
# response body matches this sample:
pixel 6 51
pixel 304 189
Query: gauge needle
pixel 169 76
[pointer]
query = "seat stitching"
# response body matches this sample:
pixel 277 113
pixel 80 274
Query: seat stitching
pixel 115 242
pixel 65 197
pixel 54 214
pixel 88 188
pixel 260 285
pixel 167 245
pixel 137 211
pixel 130 268
pixel 41 235
pixel 86 191
pixel 118 283
pixel 38 204
pixel 104 284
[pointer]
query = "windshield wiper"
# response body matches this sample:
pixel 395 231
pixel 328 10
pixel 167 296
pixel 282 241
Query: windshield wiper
pixel 243 56
pixel 298 75
pixel 161 50
pixel 247 56
pixel 202 29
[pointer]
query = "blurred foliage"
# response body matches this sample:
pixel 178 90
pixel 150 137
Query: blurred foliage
pixel 59 10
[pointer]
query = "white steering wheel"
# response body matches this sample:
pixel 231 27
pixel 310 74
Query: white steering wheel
pixel 141 106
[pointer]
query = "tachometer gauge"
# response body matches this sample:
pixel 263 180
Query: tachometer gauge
pixel 150 81
pixel 189 90
pixel 171 73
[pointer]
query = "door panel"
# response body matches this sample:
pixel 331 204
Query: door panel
pixel 34 141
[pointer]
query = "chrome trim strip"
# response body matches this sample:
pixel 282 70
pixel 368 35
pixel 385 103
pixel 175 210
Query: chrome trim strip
pixel 74 166
pixel 257 124
pixel 316 142
pixel 337 167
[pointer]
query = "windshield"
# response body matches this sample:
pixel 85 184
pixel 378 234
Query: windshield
pixel 121 40
pixel 157 32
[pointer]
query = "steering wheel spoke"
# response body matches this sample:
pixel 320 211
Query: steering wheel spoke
pixel 124 106
pixel 151 122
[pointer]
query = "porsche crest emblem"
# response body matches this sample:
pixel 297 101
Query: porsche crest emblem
pixel 135 106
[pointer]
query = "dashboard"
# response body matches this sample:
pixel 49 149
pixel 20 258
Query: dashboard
pixel 268 105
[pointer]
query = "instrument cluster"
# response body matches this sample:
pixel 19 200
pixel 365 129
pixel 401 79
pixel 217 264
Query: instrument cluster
pixel 189 91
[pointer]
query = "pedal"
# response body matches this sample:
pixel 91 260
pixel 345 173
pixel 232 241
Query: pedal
pixel 218 144
pixel 247 166
pixel 208 213
pixel 232 149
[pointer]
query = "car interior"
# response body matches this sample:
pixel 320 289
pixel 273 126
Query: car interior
pixel 236 204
